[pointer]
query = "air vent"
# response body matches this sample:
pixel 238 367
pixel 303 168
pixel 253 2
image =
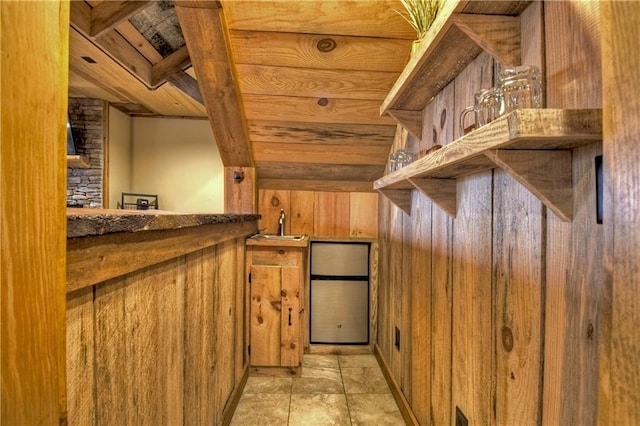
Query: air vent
pixel 89 59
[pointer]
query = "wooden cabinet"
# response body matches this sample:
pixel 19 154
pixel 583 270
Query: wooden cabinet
pixel 276 272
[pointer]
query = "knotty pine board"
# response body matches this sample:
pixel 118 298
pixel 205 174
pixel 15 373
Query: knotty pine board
pixel 265 315
pixel 302 212
pixel 300 51
pixel 363 215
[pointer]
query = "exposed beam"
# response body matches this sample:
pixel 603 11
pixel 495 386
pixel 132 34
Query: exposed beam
pixel 187 84
pixel 108 14
pixel 205 33
pixel 172 64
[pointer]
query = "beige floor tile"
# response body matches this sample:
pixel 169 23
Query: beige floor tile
pixel 374 409
pixel 262 410
pixel 271 385
pixel 320 384
pixel 320 410
pixel 364 380
pixel 357 361
pixel 321 361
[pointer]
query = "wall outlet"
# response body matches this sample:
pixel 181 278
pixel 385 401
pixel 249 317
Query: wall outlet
pixel 397 339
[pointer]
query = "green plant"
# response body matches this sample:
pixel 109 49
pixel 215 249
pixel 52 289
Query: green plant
pixel 420 14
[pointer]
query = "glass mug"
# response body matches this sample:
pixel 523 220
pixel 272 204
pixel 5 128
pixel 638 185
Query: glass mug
pixel 521 87
pixel 486 108
pixel 399 159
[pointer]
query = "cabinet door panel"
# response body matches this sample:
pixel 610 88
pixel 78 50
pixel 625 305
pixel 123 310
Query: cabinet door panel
pixel 291 324
pixel 266 307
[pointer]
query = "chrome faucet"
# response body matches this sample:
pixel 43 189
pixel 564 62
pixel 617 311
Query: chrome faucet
pixel 281 223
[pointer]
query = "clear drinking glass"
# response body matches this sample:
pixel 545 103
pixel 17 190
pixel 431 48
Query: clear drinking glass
pixel 520 87
pixel 486 108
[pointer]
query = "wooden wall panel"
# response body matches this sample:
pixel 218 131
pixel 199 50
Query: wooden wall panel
pixel 363 215
pixel 80 358
pixel 441 116
pixel 419 362
pixel 165 343
pixel 270 202
pixel 320 213
pixel 518 305
pixel 331 214
pixel 472 283
pixel 225 296
pixel 515 293
pixel 620 349
pixel 200 405
pixel 574 251
pixel 302 212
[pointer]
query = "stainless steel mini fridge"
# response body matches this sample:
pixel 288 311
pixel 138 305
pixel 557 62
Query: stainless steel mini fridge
pixel 339 294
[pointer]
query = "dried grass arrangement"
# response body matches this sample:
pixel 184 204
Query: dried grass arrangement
pixel 420 14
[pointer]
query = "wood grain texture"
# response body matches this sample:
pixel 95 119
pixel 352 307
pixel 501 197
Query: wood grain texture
pixel 331 214
pixel 81 404
pixel 32 313
pixel 302 212
pixel 270 202
pixel 619 402
pixel 575 278
pixel 266 308
pixel 313 83
pixel 300 50
pixel 200 403
pixel 203 28
pixel 472 282
pixel 344 17
pixel 363 215
pixel 225 343
pixel 240 197
pixel 95 259
pixel 338 154
pixel 318 172
pixel 313 110
pixel 291 315
pixel 519 222
pixel 329 134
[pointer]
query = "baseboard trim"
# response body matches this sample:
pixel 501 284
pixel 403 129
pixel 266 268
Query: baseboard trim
pixel 403 404
pixel 234 398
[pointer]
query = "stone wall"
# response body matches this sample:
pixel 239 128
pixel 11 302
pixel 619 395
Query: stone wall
pixel 85 186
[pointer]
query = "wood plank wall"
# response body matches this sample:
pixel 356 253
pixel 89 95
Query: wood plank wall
pixel 162 345
pixel 340 215
pixel 498 308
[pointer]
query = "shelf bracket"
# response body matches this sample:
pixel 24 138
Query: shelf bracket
pixel 496 34
pixel 410 120
pixel 547 174
pixel 441 191
pixel 400 197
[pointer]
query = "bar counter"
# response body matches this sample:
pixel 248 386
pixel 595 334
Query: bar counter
pixel 105 243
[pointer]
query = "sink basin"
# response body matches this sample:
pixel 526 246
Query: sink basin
pixel 278 237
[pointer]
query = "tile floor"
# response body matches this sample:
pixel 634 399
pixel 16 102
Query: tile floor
pixel 333 390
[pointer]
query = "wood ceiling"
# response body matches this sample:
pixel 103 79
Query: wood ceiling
pixel 292 88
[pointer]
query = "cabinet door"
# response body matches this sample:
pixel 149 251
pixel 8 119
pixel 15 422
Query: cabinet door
pixel 275 315
pixel 291 342
pixel 266 307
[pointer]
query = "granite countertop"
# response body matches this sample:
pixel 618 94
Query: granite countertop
pixel 91 222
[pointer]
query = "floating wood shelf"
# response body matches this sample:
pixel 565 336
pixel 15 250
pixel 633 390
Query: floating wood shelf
pixel 454 40
pixel 78 162
pixel 532 145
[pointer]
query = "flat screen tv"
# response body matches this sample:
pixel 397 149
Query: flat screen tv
pixel 71 144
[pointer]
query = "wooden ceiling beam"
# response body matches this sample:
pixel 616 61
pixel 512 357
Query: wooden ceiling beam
pixel 108 14
pixel 172 64
pixel 187 84
pixel 151 73
pixel 205 33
